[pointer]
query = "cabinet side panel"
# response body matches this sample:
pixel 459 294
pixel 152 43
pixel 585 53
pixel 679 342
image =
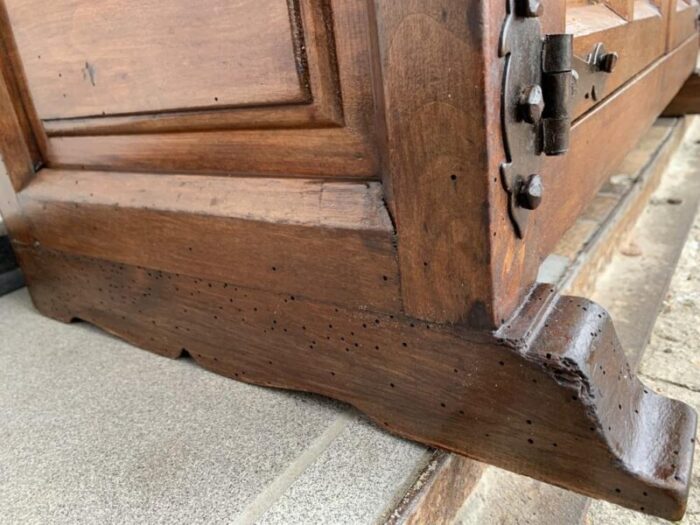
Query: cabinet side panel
pixel 433 90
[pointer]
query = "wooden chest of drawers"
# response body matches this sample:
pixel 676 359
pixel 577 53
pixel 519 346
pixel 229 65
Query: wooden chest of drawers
pixel 353 197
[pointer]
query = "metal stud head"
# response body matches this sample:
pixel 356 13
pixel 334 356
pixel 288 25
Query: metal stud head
pixel 531 104
pixel 531 8
pixel 607 62
pixel 530 193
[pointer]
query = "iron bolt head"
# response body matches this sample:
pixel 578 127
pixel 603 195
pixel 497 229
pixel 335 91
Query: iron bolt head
pixel 532 8
pixel 530 193
pixel 531 104
pixel 607 62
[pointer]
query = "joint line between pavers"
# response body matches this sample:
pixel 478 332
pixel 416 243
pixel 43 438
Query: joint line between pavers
pixel 279 486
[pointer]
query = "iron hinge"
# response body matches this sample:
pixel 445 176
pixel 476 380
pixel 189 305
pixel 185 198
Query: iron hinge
pixel 543 81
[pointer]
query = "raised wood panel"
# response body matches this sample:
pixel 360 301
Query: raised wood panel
pixel 314 28
pixel 332 136
pixel 136 56
pixel 330 241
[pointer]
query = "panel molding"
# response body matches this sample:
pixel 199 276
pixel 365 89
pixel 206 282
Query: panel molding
pixel 314 41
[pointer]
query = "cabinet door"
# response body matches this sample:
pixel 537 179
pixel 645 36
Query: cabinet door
pixel 132 84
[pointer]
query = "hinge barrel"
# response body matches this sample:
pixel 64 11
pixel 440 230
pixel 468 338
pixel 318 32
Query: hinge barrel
pixel 557 88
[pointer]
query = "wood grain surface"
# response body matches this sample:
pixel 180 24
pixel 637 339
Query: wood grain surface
pixel 127 56
pixel 599 142
pixel 332 242
pixel 334 222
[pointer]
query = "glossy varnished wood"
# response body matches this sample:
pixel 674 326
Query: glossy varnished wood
pixel 347 233
pixel 588 424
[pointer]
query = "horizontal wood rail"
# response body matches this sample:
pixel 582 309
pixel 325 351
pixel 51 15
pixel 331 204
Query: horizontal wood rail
pixel 333 242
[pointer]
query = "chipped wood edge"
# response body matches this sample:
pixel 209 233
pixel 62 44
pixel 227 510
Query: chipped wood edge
pixel 447 480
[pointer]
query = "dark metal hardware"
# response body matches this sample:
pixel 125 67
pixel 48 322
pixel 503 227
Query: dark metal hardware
pixel 543 81
pixel 531 8
pixel 531 104
pixel 530 193
pixel 557 82
pixel 591 73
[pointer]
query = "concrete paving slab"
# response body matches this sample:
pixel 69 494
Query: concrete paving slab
pixel 673 354
pixel 97 431
pixel 506 498
pixel 325 492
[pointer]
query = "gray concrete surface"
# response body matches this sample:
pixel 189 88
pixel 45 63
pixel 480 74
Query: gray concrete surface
pixel 94 430
pixel 671 366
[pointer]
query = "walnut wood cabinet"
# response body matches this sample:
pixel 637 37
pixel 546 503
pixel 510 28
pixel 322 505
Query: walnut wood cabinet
pixel 311 194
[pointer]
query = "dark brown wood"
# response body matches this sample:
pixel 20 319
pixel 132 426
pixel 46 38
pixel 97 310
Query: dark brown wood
pixel 308 234
pixel 571 181
pixel 441 179
pixel 437 157
pixel 85 59
pixel 588 425
pixel 448 480
pixel 335 245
